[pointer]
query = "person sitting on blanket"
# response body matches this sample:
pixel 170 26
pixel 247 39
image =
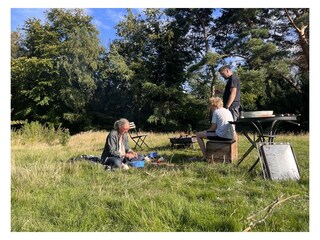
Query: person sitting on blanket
pixel 220 129
pixel 116 150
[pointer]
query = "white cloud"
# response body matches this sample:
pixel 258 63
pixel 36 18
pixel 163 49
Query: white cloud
pixel 100 25
pixel 115 15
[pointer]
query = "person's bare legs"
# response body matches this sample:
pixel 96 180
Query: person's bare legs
pixel 200 136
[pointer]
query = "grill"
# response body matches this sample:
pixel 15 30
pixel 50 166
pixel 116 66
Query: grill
pixel 183 141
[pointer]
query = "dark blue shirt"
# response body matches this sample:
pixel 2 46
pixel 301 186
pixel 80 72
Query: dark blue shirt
pixel 233 82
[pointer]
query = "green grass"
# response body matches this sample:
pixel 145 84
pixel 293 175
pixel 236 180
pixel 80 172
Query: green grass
pixel 50 194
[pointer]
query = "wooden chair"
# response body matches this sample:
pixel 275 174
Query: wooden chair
pixel 138 138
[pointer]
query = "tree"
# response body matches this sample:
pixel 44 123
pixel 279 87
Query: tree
pixel 199 22
pixel 264 40
pixel 113 96
pixel 151 57
pixel 162 68
pixel 33 89
pixel 16 50
pixel 68 43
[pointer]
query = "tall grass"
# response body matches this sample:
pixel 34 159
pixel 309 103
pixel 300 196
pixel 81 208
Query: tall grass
pixel 35 132
pixel 49 193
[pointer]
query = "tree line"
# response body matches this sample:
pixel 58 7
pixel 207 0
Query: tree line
pixel 161 69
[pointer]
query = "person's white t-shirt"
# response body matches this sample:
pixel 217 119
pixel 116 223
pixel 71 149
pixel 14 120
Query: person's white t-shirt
pixel 221 118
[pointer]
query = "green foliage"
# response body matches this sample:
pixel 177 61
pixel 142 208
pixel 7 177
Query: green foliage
pixel 279 68
pixel 269 68
pixel 35 132
pixel 253 88
pixel 32 86
pixel 118 65
pixel 261 52
pixel 164 62
pixel 149 72
pixel 16 50
pixel 55 77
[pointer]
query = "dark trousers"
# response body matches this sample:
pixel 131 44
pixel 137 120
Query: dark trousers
pixel 114 162
pixel 235 111
pixel 217 138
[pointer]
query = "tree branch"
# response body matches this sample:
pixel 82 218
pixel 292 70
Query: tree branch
pixel 268 209
pixel 291 83
pixel 291 20
pixel 304 41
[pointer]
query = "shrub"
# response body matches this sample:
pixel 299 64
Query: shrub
pixel 35 132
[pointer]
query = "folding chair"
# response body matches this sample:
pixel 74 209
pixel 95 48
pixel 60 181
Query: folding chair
pixel 138 138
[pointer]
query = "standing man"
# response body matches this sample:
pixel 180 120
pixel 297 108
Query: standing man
pixel 231 95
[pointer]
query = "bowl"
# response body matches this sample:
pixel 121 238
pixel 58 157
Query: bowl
pixel 254 114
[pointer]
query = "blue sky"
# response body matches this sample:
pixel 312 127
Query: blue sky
pixel 104 19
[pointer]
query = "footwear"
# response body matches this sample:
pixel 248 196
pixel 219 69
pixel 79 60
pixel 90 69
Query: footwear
pixel 108 168
pixel 125 167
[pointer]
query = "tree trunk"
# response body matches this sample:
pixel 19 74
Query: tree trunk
pixel 303 41
pixel 213 84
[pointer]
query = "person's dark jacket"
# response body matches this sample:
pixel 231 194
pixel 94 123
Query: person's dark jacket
pixel 111 148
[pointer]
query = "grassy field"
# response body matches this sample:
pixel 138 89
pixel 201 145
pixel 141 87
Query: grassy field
pixel 50 194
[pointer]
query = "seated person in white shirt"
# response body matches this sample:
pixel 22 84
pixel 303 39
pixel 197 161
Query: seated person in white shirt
pixel 220 129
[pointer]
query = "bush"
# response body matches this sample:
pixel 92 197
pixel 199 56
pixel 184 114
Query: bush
pixel 35 132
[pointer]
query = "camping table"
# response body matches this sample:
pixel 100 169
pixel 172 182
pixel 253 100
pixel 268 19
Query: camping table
pixel 263 129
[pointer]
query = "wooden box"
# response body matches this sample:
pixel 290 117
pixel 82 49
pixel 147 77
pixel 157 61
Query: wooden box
pixel 221 151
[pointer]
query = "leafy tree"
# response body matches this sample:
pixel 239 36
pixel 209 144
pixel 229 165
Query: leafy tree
pixel 113 96
pixel 64 52
pixel 16 50
pixel 33 89
pixel 150 60
pixel 162 68
pixel 199 22
pixel 263 40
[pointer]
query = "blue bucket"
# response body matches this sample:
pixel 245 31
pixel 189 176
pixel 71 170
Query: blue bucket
pixel 136 164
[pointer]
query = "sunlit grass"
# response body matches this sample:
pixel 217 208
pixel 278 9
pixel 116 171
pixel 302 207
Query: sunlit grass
pixel 48 193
